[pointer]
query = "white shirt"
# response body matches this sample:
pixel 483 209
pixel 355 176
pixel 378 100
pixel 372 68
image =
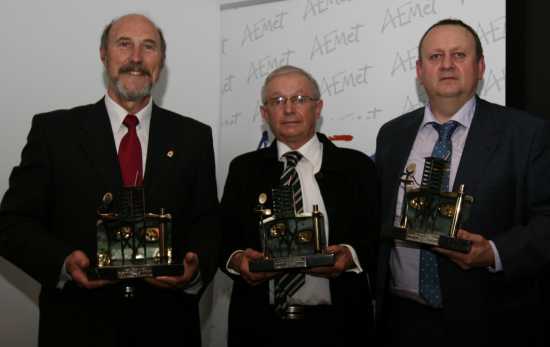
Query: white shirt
pixel 315 290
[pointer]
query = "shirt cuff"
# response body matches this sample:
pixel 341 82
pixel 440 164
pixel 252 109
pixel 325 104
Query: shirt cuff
pixel 64 276
pixel 357 268
pixel 228 268
pixel 498 262
pixel 195 285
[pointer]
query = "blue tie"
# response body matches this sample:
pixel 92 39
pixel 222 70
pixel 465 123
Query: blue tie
pixel 429 286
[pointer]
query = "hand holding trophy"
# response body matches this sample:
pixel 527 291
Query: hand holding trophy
pixel 290 240
pixel 429 215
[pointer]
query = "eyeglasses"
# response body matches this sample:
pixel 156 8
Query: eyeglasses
pixel 295 100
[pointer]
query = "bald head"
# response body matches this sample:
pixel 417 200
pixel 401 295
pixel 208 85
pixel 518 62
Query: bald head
pixel 132 16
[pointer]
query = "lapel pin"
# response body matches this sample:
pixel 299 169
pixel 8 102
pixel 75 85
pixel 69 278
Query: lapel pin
pixel 170 153
pixel 107 198
pixel 262 198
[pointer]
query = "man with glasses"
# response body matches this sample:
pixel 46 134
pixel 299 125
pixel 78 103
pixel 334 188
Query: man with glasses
pixel 343 184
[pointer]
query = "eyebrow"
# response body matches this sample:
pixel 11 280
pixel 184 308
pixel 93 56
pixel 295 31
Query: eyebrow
pixel 126 38
pixel 154 42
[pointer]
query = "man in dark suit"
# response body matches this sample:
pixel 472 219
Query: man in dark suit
pixel 48 215
pixel 336 300
pixel 502 156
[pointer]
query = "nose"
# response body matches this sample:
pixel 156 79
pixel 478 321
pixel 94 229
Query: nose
pixel 447 62
pixel 288 106
pixel 137 54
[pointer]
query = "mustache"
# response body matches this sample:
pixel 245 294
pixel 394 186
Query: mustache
pixel 134 67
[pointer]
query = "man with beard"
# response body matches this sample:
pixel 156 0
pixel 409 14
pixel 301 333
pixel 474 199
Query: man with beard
pixel 48 215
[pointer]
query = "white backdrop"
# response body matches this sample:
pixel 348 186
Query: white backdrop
pixel 51 60
pixel 362 53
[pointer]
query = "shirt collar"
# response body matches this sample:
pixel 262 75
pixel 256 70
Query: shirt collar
pixel 463 116
pixel 312 151
pixel 117 113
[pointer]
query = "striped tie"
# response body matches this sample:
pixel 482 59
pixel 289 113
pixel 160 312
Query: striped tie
pixel 288 283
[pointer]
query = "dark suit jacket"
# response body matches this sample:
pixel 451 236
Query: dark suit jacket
pixel 504 166
pixel 347 181
pixel 68 164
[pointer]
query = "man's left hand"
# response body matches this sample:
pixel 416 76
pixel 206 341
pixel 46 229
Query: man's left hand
pixel 480 255
pixel 191 265
pixel 342 261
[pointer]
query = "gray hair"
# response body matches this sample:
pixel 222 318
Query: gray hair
pixel 289 69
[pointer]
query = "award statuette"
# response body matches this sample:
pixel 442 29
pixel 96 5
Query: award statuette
pixel 290 240
pixel 430 216
pixel 130 242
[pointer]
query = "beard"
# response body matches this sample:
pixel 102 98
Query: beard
pixel 127 94
pixel 132 95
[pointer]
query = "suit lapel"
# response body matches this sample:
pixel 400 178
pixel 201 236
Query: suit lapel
pixel 159 148
pixel 403 143
pixel 99 144
pixel 271 168
pixel 481 142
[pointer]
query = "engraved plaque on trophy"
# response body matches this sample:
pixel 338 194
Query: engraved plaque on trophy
pixel 290 240
pixel 429 215
pixel 132 243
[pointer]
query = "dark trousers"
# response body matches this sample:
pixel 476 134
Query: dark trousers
pixel 104 317
pixel 321 327
pixel 408 323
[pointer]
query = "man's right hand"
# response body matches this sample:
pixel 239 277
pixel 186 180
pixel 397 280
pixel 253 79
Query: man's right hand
pixel 76 265
pixel 240 262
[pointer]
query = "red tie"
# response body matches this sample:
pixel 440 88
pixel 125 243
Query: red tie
pixel 129 155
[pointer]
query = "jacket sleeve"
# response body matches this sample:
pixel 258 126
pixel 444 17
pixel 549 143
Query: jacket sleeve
pixel 25 237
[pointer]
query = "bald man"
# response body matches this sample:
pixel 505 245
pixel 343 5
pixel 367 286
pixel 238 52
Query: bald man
pixel 48 215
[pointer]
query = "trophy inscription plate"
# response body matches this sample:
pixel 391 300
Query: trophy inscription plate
pixel 290 240
pixel 130 242
pixel 430 216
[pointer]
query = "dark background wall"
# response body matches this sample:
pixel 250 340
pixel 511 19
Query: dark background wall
pixel 528 75
pixel 528 56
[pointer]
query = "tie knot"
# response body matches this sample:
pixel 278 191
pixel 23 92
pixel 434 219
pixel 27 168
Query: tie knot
pixel 445 130
pixel 292 158
pixel 130 121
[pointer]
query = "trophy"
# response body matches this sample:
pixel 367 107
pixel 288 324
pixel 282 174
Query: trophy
pixel 429 215
pixel 290 240
pixel 130 242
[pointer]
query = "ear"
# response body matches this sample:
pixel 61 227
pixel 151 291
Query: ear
pixel 481 67
pixel 318 108
pixel 419 70
pixel 102 54
pixel 265 113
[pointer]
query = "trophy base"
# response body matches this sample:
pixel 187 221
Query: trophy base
pixel 432 239
pixel 136 271
pixel 293 262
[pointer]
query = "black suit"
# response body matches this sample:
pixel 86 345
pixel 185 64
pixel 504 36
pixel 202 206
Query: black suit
pixel 504 166
pixel 68 164
pixel 347 181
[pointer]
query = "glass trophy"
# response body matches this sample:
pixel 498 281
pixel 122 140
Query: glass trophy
pixel 429 215
pixel 290 240
pixel 132 243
